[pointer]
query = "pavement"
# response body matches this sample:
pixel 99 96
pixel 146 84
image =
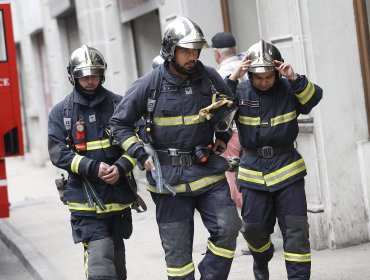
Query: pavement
pixel 38 232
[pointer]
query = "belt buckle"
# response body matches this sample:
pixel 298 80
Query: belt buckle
pixel 185 160
pixel 267 152
pixel 173 152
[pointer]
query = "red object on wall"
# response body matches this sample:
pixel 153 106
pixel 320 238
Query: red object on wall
pixel 11 139
pixel 4 203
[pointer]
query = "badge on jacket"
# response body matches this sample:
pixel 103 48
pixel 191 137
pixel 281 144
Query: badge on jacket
pixel 92 118
pixel 188 90
pixel 250 103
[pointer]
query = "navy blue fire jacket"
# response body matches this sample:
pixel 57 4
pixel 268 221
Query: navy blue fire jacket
pixel 175 125
pixel 100 147
pixel 270 119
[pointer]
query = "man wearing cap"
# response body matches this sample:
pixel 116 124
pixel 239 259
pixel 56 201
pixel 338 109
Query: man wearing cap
pixel 224 46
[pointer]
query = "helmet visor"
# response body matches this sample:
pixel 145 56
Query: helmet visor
pixel 193 45
pixel 83 72
pixel 261 69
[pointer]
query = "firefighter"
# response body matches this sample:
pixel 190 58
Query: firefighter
pixel 101 187
pixel 271 172
pixel 193 175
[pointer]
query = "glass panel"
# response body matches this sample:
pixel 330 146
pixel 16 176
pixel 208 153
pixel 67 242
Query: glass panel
pixel 2 38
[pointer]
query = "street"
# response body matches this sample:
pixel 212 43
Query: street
pixel 10 266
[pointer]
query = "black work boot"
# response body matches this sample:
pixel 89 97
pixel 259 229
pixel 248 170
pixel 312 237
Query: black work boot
pixel 261 271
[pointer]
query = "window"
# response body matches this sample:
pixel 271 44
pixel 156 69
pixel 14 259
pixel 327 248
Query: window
pixel 3 56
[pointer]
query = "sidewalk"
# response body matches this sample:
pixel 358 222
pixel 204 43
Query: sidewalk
pixel 38 231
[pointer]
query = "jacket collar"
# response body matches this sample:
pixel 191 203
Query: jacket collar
pixel 96 99
pixel 197 75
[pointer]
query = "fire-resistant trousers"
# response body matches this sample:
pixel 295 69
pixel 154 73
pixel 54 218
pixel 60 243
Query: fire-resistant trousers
pixel 175 218
pixel 104 248
pixel 259 212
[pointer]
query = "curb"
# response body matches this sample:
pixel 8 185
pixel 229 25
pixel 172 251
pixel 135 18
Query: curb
pixel 35 263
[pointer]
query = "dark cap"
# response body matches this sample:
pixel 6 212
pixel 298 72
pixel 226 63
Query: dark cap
pixel 223 40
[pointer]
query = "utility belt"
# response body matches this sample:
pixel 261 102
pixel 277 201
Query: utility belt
pixel 269 151
pixel 185 158
pixel 176 157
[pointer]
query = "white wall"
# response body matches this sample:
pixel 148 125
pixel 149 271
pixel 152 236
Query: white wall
pixel 342 116
pixel 31 18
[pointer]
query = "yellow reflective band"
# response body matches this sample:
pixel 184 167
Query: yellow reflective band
pixel 182 271
pixel 168 121
pixel 206 181
pixel 249 120
pixel 284 173
pixel 86 254
pixel 128 142
pixel 262 249
pixel 306 95
pixel 297 257
pixel 112 207
pixel 194 119
pixel 100 144
pixel 250 176
pixel 76 163
pixel 284 118
pixel 195 185
pixel 133 162
pixel 177 120
pixel 222 252
pixel 180 188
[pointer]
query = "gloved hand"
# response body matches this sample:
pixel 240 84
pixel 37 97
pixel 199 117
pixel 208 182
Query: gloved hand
pixel 233 163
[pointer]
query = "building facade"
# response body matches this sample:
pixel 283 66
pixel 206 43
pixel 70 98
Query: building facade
pixel 331 48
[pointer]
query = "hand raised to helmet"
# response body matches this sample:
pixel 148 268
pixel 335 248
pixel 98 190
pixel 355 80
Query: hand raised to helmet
pixel 285 70
pixel 241 69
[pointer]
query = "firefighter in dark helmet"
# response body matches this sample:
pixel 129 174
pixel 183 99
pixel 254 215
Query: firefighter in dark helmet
pixel 185 150
pixel 271 172
pixel 100 188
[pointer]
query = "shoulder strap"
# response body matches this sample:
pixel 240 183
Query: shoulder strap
pixel 211 82
pixel 67 118
pixel 68 111
pixel 155 90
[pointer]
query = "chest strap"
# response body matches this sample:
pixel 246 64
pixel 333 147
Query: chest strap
pixel 269 151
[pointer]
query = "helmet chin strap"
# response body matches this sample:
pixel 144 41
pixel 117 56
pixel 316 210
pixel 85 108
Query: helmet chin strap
pixel 181 69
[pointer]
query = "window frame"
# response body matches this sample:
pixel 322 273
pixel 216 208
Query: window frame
pixel 363 38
